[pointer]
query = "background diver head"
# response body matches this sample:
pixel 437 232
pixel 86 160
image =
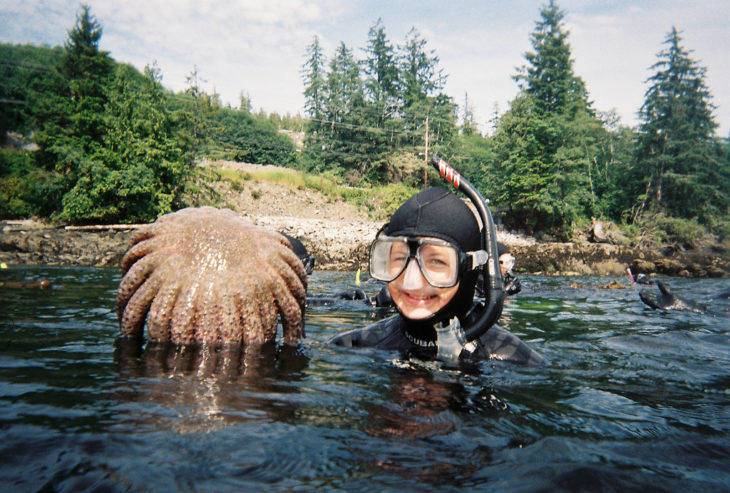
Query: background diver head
pixel 301 251
pixel 506 259
pixel 438 213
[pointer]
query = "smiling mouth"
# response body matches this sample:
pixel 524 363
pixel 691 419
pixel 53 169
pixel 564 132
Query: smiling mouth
pixel 423 297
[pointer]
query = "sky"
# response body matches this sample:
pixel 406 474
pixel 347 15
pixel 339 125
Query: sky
pixel 257 47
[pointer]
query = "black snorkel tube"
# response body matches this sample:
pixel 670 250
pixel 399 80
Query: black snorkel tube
pixel 493 284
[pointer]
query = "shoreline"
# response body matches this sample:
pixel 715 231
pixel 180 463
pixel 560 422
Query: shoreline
pixel 344 245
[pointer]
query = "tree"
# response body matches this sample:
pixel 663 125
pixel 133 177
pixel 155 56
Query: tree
pixel 245 102
pixel 23 68
pixel 199 108
pixel 468 124
pixel 419 70
pixel 69 108
pixel 253 139
pixel 70 117
pixel 313 77
pixel 343 111
pixel 114 149
pixel 383 108
pixel 138 173
pixel 678 169
pixel 382 78
pixel 372 113
pixel 549 142
pixel 549 77
pixel 422 93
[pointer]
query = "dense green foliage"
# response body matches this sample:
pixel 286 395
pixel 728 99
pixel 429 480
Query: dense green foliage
pixel 680 171
pixel 239 136
pixel 114 146
pixel 22 67
pixel 365 113
pixel 549 146
pixel 557 163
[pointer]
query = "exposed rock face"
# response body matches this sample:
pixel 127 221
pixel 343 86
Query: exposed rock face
pixel 344 245
pixel 59 246
pixel 603 259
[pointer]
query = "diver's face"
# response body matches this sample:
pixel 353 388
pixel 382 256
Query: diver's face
pixel 414 297
pixel 506 263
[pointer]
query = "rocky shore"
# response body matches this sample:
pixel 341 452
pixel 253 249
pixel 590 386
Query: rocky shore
pixel 343 245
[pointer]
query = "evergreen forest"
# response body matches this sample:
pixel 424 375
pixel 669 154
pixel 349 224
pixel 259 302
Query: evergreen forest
pixel 92 141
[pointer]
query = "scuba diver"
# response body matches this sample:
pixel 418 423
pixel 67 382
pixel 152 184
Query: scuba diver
pixel 431 254
pixel 667 300
pixel 382 299
pixel 512 284
pixel 301 251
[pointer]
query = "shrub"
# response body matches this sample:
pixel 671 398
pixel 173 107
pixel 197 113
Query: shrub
pixel 685 232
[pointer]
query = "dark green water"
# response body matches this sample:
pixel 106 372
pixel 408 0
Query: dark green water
pixel 631 399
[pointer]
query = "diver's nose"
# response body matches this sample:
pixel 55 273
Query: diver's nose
pixel 413 278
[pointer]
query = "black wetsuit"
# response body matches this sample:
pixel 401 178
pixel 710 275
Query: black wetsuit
pixel 390 333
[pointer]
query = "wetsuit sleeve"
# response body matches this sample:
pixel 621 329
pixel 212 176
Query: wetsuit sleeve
pixel 512 285
pixel 348 339
pixel 383 298
pixel 502 345
pixel 383 334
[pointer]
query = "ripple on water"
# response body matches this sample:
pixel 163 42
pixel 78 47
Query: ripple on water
pixel 631 399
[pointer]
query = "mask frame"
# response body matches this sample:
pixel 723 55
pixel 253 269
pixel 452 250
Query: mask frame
pixel 380 260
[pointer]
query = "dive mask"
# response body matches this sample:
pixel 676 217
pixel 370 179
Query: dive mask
pixel 440 262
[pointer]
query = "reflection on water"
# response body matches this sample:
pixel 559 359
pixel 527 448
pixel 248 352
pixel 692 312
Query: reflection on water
pixel 630 399
pixel 207 383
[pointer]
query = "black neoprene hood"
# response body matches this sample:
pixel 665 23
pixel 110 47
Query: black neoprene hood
pixel 439 213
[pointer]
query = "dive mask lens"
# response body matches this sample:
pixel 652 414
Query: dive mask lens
pixel 308 262
pixel 384 266
pixel 438 260
pixel 507 261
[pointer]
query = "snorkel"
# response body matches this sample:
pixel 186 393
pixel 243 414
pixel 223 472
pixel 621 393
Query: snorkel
pixel 493 285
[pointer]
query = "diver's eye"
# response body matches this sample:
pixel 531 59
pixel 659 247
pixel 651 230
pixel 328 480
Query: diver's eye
pixel 437 257
pixel 436 262
pixel 399 253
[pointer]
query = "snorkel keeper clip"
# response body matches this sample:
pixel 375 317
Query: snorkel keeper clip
pixel 493 285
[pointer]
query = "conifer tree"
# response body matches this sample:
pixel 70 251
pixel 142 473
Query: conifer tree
pixel 198 111
pixel 468 124
pixel 548 142
pixel 678 169
pixel 314 79
pixel 549 77
pixel 70 115
pixel 382 115
pixel 420 74
pixel 343 111
pixel 382 78
pixel 422 93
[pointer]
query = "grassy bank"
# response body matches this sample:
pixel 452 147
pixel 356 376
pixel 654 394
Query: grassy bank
pixel 379 202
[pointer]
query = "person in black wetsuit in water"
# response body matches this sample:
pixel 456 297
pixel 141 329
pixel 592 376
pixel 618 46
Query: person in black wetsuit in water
pixel 426 254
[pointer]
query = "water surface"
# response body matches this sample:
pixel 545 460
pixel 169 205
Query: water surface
pixel 631 399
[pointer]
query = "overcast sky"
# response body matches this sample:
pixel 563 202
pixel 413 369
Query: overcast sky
pixel 258 46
